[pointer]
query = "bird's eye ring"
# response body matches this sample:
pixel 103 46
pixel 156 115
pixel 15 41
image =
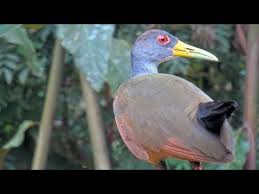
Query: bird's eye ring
pixel 163 39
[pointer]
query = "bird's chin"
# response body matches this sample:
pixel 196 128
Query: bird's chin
pixel 167 59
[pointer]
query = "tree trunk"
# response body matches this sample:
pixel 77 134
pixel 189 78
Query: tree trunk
pixel 97 136
pixel 252 63
pixel 43 140
pixel 241 35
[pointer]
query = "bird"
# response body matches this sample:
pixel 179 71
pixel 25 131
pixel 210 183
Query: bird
pixel 161 116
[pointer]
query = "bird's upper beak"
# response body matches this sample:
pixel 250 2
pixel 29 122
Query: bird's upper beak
pixel 184 50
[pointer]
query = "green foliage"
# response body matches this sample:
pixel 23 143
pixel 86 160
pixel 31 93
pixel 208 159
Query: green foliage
pixel 21 92
pixel 108 56
pixel 19 37
pixel 5 28
pixel 176 67
pixel 10 64
pixel 18 138
pixel 129 32
pixel 175 164
pixel 224 34
pixel 89 45
pixel 119 64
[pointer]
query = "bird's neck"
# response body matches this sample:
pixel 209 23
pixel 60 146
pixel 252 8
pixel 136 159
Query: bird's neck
pixel 143 67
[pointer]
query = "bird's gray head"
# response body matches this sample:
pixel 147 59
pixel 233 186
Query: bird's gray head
pixel 156 46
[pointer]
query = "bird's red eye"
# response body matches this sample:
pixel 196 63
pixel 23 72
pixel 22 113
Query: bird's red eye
pixel 163 39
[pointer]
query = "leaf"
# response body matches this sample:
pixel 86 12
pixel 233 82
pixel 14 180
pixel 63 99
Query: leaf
pixel 8 63
pixel 16 141
pixel 90 46
pixel 8 75
pixel 23 75
pixel 18 138
pixel 119 64
pixel 20 38
pixel 5 28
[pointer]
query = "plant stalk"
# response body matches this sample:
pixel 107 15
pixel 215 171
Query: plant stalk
pixel 43 140
pixel 97 135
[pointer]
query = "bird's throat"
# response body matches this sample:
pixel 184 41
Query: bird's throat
pixel 144 68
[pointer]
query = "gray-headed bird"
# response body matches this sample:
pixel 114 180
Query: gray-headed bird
pixel 162 115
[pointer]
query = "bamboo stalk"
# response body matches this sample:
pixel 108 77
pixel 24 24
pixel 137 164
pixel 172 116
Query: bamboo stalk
pixel 43 140
pixel 251 93
pixel 97 136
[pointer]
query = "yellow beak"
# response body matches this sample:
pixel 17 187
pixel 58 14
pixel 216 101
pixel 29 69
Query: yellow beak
pixel 184 50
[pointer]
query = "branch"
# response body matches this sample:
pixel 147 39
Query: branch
pixel 251 93
pixel 43 140
pixel 241 38
pixel 250 163
pixel 97 136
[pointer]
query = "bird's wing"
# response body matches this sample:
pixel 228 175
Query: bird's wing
pixel 157 114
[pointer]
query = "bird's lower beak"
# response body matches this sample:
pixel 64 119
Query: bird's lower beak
pixel 184 50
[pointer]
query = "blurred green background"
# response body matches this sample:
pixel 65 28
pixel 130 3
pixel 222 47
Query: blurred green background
pixel 102 54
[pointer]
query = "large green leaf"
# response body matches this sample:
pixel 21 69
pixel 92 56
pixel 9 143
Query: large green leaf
pixel 90 45
pixel 119 64
pixel 20 38
pixel 5 28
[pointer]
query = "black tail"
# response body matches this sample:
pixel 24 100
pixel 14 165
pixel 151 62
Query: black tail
pixel 213 114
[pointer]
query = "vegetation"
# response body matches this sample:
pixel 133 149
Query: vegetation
pixel 96 60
